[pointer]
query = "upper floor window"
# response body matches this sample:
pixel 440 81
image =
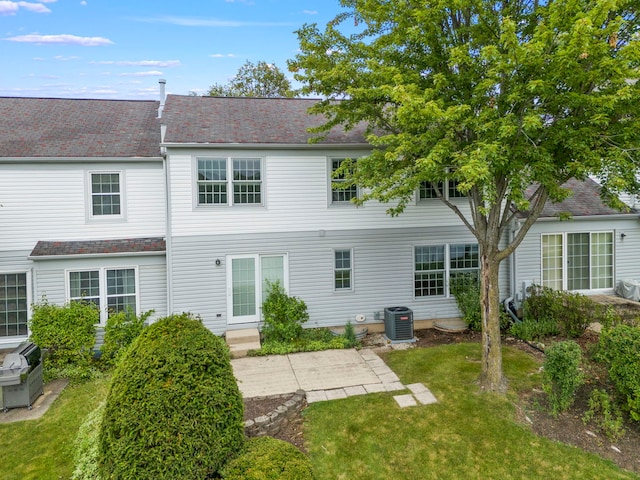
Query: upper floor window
pixel 448 188
pixel 577 261
pixel 105 194
pixel 437 265
pixel 343 269
pixel 339 193
pixel 112 290
pixel 229 181
pixel 14 304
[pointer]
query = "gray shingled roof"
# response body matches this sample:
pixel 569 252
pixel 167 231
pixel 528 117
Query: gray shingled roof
pixel 225 120
pixel 585 201
pixel 56 127
pixel 93 247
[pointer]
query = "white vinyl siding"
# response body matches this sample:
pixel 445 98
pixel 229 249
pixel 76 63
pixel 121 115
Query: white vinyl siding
pixel 578 261
pixel 14 304
pixel 229 181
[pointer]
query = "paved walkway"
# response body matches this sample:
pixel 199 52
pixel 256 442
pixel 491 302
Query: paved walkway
pixel 326 375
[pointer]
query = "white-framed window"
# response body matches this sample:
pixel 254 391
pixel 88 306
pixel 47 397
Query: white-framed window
pixel 247 287
pixel 340 195
pixel 342 269
pixel 435 266
pixel 448 188
pixel 229 181
pixel 106 194
pixel 111 289
pixel 578 261
pixel 14 304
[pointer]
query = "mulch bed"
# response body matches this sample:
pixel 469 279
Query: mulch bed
pixel 567 428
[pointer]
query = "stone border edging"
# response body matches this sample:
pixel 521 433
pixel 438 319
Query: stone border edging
pixel 272 422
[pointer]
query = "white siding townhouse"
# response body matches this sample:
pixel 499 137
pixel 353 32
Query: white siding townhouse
pixel 95 203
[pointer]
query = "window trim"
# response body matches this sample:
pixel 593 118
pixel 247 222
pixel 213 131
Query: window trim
pixel 122 216
pixel 27 273
pixel 102 285
pixel 564 259
pixel 446 271
pixel 332 180
pixel 351 270
pixel 229 182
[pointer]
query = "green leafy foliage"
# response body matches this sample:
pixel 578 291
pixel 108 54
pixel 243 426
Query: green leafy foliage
pixel 562 375
pixel 619 349
pixel 496 96
pixel 86 446
pixel 260 79
pixel 283 315
pixel 121 330
pixel 350 335
pixel 534 330
pixel 267 458
pixel 68 333
pixel 605 413
pixel 310 340
pixel 174 410
pixel 466 290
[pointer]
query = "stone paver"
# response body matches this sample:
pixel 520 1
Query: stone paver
pixel 375 388
pixel 425 398
pixel 354 391
pixel 336 394
pixel 317 396
pixel 405 401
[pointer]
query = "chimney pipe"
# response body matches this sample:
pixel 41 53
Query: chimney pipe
pixel 163 96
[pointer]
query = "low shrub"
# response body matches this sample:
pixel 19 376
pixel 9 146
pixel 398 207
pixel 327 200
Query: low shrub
pixel 350 335
pixel 86 446
pixel 531 330
pixel 267 458
pixel 310 340
pixel 605 413
pixel 283 315
pixel 174 410
pixel 121 330
pixel 562 375
pixel 466 290
pixel 619 349
pixel 68 333
pixel 570 312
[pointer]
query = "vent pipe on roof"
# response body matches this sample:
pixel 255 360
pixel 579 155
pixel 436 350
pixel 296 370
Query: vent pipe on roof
pixel 163 96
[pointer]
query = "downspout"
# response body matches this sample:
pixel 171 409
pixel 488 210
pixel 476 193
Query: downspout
pixel 167 201
pixel 163 96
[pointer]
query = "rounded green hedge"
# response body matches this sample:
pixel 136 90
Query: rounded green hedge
pixel 174 410
pixel 267 458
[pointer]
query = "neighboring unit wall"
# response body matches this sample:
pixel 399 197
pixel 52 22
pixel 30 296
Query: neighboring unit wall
pixel 528 256
pixel 383 272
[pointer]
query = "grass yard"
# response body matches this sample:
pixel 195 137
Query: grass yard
pixel 467 435
pixel 43 449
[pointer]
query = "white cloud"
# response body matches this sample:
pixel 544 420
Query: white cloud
pixel 222 55
pixel 151 73
pixel 11 8
pixel 246 2
pixel 210 22
pixel 142 63
pixel 62 58
pixel 310 12
pixel 8 8
pixel 34 7
pixel 63 39
pixel 83 3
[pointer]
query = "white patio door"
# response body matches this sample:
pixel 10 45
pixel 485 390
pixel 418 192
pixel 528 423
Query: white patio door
pixel 246 284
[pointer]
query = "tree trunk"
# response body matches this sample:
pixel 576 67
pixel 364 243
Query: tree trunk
pixel 491 377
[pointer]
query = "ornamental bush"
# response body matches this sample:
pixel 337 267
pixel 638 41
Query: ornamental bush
pixel 619 348
pixel 121 330
pixel 86 446
pixel 562 375
pixel 173 410
pixel 68 333
pixel 267 458
pixel 283 315
pixel 466 290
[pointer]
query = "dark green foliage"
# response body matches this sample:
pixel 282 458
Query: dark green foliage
pixel 531 330
pixel 174 410
pixel 283 315
pixel 85 454
pixel 267 458
pixel 121 330
pixel 466 290
pixel 310 340
pixel 350 335
pixel 68 333
pixel 619 348
pixel 562 375
pixel 605 413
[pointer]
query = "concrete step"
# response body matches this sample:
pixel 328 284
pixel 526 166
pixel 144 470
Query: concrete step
pixel 241 341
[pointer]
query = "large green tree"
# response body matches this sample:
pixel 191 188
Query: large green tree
pixel 496 95
pixel 260 79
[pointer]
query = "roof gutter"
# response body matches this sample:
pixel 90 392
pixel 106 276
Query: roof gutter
pixel 614 216
pixel 78 159
pixel 271 146
pixel 96 255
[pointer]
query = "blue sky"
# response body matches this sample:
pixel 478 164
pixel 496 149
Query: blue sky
pixel 120 48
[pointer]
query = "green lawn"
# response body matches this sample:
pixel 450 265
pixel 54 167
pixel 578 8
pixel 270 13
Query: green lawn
pixel 466 435
pixel 43 449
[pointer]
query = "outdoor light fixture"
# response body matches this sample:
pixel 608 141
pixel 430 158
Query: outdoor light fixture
pixel 218 262
pixel 622 236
